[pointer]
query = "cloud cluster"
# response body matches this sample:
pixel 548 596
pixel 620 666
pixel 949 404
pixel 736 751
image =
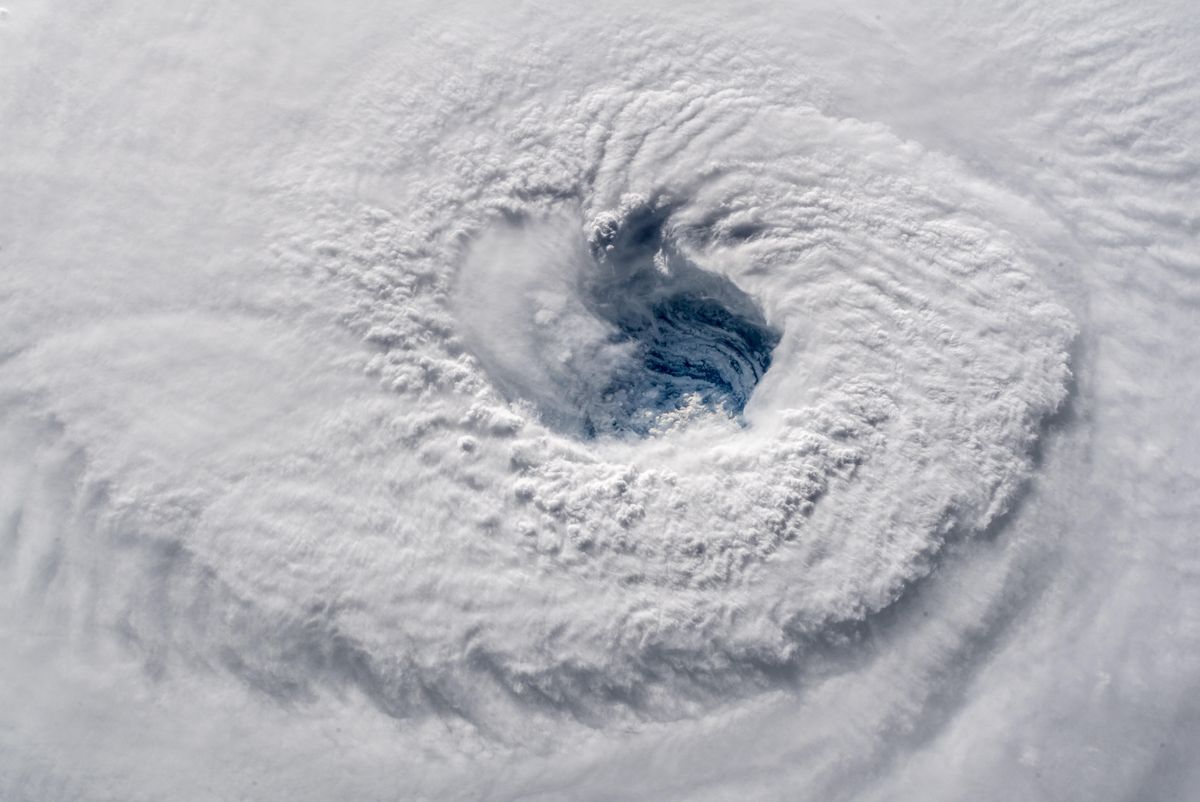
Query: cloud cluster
pixel 728 404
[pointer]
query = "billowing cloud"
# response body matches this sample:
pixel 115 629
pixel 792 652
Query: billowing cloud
pixel 556 404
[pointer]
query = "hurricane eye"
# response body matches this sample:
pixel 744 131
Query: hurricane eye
pixel 695 337
pixel 616 334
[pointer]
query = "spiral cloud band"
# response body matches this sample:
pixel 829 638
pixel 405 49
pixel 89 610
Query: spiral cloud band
pixel 477 402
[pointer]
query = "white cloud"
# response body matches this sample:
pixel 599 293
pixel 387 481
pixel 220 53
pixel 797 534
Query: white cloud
pixel 331 462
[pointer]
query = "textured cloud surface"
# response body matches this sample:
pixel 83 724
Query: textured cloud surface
pixel 477 402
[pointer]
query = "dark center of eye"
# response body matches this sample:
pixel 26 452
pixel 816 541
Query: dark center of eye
pixel 696 337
